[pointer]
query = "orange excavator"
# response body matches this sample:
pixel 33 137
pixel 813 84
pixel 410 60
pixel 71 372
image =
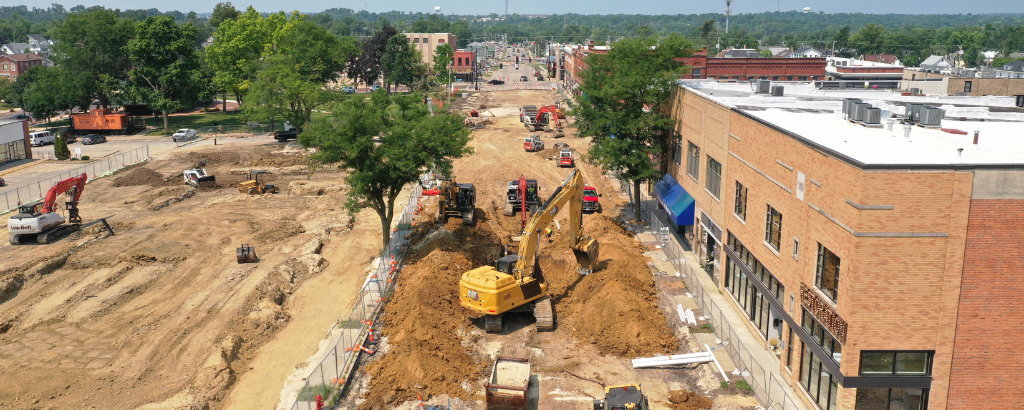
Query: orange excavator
pixel 40 221
pixel 541 120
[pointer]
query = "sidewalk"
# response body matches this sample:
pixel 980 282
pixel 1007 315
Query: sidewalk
pixel 740 352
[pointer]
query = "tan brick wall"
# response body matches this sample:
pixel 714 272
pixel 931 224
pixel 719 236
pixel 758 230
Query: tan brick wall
pixel 1006 87
pixel 895 293
pixel 988 332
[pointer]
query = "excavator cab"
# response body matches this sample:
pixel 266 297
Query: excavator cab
pixel 253 185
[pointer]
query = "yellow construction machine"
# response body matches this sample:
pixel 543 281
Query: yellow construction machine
pixel 514 283
pixel 253 185
pixel 624 397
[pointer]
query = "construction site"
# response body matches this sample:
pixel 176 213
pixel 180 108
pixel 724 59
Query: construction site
pixel 208 293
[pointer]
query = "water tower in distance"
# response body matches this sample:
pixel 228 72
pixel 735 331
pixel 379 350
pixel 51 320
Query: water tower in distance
pixel 728 12
pixel 437 9
pixel 807 10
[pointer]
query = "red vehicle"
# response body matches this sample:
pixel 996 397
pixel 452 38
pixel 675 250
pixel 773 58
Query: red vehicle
pixel 565 158
pixel 101 121
pixel 591 199
pixel 533 143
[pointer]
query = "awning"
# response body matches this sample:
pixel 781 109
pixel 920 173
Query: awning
pixel 678 203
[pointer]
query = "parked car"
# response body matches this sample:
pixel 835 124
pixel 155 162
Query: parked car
pixel 524 78
pixel 495 82
pixel 41 138
pixel 374 87
pixel 2 182
pixel 69 138
pixel 289 134
pixel 184 134
pixel 93 139
pixel 21 117
pixel 348 89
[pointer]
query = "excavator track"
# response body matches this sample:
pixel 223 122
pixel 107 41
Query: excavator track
pixel 544 312
pixel 16 239
pixel 493 323
pixel 57 233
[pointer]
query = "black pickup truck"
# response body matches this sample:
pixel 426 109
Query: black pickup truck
pixel 284 136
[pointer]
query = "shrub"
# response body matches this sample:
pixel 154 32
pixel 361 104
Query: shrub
pixel 85 157
pixel 60 149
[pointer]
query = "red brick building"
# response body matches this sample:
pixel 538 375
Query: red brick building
pixel 887 262
pixel 463 64
pixel 14 65
pixel 746 69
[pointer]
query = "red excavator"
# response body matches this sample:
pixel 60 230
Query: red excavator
pixel 40 221
pixel 540 121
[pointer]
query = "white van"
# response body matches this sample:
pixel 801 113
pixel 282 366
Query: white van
pixel 41 138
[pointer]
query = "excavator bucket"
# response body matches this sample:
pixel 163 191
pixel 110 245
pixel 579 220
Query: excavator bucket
pixel 586 255
pixel 245 254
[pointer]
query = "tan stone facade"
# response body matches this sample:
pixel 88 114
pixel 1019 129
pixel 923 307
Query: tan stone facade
pixel 900 235
pixel 426 43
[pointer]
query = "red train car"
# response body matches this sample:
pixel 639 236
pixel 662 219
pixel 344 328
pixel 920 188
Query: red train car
pixel 101 121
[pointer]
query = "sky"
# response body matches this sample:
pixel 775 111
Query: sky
pixel 581 7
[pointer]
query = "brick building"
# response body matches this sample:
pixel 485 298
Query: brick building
pixel 947 84
pixel 426 43
pixel 889 267
pixel 14 65
pixel 463 63
pixel 746 69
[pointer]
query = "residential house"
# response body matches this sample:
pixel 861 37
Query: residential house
pixel 14 48
pixel 882 58
pixel 806 52
pixel 39 45
pixel 740 53
pixel 935 64
pixel 1013 69
pixel 14 65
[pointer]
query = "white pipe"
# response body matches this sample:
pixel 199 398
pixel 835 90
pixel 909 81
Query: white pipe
pixel 704 357
pixel 672 357
pixel 724 376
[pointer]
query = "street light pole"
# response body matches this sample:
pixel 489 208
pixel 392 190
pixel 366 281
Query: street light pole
pixel 450 89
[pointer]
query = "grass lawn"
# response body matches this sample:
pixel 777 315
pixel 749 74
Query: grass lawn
pixel 229 120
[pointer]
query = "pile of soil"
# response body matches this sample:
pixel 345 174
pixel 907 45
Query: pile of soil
pixel 272 232
pixel 424 322
pixel 205 159
pixel 616 307
pixel 277 161
pixel 687 400
pixel 140 176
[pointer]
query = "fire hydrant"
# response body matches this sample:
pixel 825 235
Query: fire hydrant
pixel 319 402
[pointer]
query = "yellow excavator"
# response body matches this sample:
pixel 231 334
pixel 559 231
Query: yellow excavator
pixel 514 283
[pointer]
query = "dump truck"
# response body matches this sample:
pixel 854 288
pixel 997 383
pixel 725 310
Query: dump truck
pixel 507 386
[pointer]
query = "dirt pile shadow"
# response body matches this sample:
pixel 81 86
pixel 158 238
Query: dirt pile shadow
pixel 687 400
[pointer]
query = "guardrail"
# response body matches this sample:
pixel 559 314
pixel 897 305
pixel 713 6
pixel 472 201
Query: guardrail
pixel 331 376
pixel 35 191
pixel 767 386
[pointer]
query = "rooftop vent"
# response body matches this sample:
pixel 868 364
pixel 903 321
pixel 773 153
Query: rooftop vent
pixel 764 86
pixel 931 117
pixel 777 90
pixel 859 112
pixel 913 113
pixel 848 104
pixel 915 91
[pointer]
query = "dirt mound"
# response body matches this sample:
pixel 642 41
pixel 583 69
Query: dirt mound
pixel 140 176
pixel 616 307
pixel 424 322
pixel 278 161
pixel 272 232
pixel 687 400
pixel 204 159
pixel 549 152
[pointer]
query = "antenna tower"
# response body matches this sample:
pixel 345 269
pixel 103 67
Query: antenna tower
pixel 728 12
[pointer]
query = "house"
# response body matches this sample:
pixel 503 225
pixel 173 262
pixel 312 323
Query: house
pixel 806 52
pixel 740 53
pixel 774 49
pixel 934 64
pixel 1013 69
pixel 14 48
pixel 882 58
pixel 1015 56
pixel 14 65
pixel 39 45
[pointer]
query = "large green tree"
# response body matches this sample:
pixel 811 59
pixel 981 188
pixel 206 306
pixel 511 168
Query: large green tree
pixel 624 107
pixel 238 45
pixel 280 92
pixel 166 69
pixel 366 66
pixel 223 12
pixel 400 63
pixel 46 91
pixel 313 51
pixel 443 56
pixel 92 43
pixel 385 143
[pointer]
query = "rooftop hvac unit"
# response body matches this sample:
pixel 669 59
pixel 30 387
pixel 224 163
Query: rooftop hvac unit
pixel 915 91
pixel 873 116
pixel 777 90
pixel 931 116
pixel 913 112
pixel 764 86
pixel 859 111
pixel 848 104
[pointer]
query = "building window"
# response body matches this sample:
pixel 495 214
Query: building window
pixel 677 150
pixel 740 208
pixel 789 78
pixel 896 363
pixel 789 350
pixel 901 399
pixel 773 228
pixel 967 86
pixel 714 178
pixel 5 67
pixel 1020 100
pixel 754 303
pixel 826 277
pixel 817 380
pixel 822 337
pixel 426 40
pixel 796 248
pixel 693 161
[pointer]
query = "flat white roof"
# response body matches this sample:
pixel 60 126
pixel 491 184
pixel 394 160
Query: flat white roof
pixel 816 115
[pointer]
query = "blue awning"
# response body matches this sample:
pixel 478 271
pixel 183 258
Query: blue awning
pixel 678 203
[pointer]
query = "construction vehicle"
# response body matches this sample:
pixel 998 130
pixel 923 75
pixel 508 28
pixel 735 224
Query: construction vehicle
pixel 515 283
pixel 253 185
pixel 533 143
pixel 457 200
pixel 40 221
pixel 624 397
pixel 527 111
pixel 245 254
pixel 542 118
pixel 591 199
pixel 522 195
pixel 196 175
pixel 507 386
pixel 565 158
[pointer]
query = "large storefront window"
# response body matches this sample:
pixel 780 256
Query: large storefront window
pixel 817 380
pixel 822 337
pixel 12 151
pixel 892 399
pixel 746 294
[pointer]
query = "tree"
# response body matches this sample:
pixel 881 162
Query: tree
pixel 279 91
pixel 870 39
pixel 313 51
pixel 60 149
pixel 366 66
pixel 223 12
pixel 385 143
pixel 443 55
pixel 45 91
pixel 92 43
pixel 460 29
pixel 708 29
pixel 166 71
pixel 400 62
pixel 624 108
pixel 237 48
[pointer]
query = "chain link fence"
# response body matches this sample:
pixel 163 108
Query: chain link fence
pixel 11 198
pixel 768 387
pixel 332 374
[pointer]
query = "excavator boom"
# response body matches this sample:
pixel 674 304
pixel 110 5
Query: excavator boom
pixel 77 183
